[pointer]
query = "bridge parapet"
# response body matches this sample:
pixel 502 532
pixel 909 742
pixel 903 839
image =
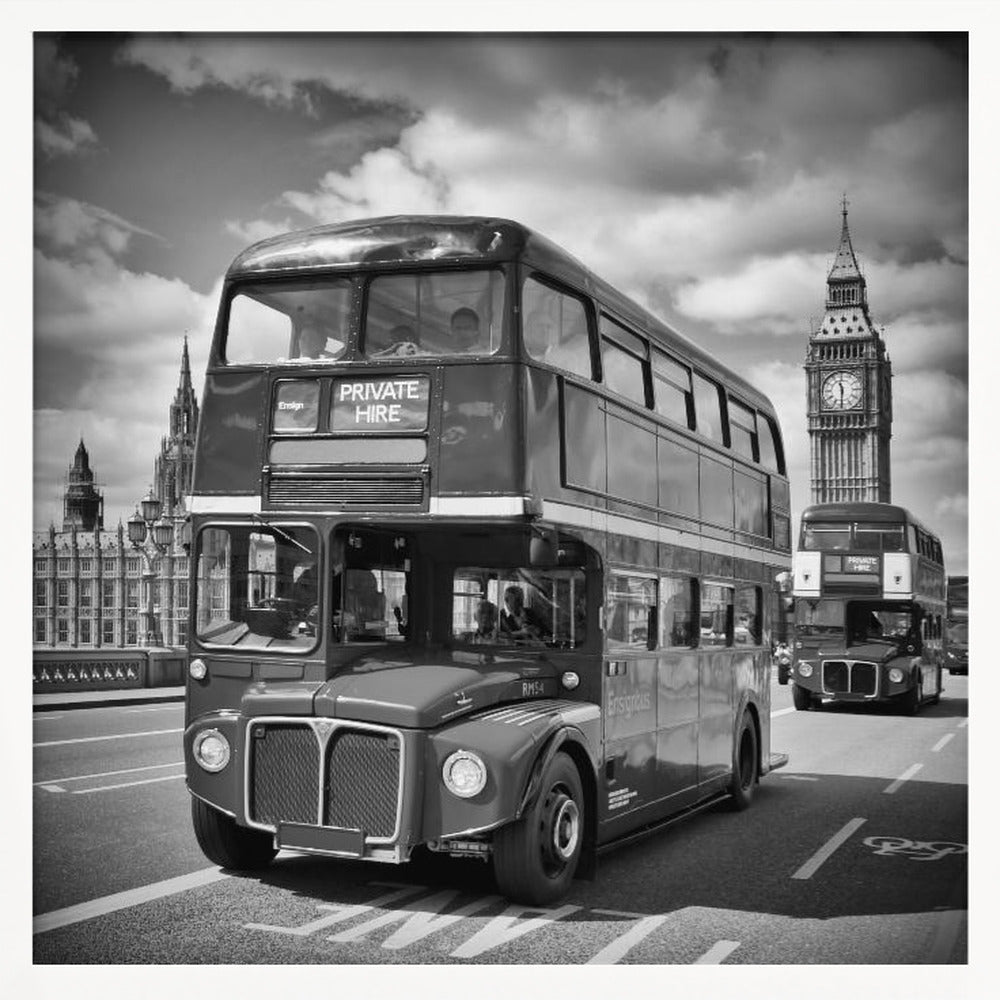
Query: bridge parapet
pixel 106 669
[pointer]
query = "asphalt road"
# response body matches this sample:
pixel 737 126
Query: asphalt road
pixel 855 853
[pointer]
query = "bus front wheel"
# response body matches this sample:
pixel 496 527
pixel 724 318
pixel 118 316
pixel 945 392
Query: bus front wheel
pixel 911 700
pixel 744 779
pixel 227 844
pixel 801 698
pixel 535 857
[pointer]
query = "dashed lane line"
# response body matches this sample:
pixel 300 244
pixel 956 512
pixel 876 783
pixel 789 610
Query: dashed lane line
pixel 894 786
pixel 941 742
pixel 718 953
pixel 126 784
pixel 621 946
pixel 824 853
pixel 124 900
pixel 783 711
pixel 963 723
pixel 113 736
pixel 108 774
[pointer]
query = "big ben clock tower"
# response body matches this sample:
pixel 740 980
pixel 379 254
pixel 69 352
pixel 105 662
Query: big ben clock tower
pixel 849 380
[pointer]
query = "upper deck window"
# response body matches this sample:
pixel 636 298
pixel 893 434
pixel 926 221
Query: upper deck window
pixel 446 314
pixel 825 536
pixel 708 410
pixel 743 430
pixel 555 328
pixel 672 389
pixel 624 356
pixel 879 537
pixel 303 322
pixel 768 442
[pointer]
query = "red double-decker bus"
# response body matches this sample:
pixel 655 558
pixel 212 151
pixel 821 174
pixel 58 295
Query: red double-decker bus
pixel 869 592
pixel 483 558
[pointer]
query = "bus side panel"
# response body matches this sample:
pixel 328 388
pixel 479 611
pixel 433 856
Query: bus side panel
pixel 630 707
pixel 479 450
pixel 677 722
pixel 230 433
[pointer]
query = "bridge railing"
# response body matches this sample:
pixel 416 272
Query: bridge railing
pixel 106 669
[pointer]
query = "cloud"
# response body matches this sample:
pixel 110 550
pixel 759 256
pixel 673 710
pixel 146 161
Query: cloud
pixel 57 133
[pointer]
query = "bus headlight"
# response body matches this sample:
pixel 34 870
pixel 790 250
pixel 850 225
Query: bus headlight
pixel 464 774
pixel 895 675
pixel 197 669
pixel 806 669
pixel 211 750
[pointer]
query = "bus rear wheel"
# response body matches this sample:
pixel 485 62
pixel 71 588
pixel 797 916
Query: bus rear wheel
pixel 744 779
pixel 535 857
pixel 227 844
pixel 801 698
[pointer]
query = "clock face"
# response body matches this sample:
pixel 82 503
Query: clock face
pixel 842 391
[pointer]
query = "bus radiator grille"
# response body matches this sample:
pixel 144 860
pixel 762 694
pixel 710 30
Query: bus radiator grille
pixel 343 491
pixel 284 776
pixel 850 677
pixel 362 782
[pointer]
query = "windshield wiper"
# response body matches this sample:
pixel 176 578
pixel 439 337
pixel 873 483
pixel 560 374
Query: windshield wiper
pixel 279 531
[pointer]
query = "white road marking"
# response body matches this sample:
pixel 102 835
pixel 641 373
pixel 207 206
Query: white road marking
pixel 123 900
pixel 718 953
pixel 963 723
pixel 892 788
pixel 621 913
pixel 108 774
pixel 812 865
pixel 783 711
pixel 621 946
pixel 422 916
pixel 46 717
pixel 115 736
pixel 941 742
pixel 797 777
pixel 153 708
pixel 126 784
pixel 53 788
pixel 340 913
pixel 506 927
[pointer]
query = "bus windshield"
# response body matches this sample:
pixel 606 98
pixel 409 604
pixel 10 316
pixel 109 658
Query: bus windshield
pixel 455 312
pixel 519 607
pixel 869 621
pixel 819 618
pixel 256 587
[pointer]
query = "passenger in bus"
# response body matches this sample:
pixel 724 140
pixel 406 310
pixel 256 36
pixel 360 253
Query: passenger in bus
pixel 486 622
pixel 312 342
pixel 518 621
pixel 465 329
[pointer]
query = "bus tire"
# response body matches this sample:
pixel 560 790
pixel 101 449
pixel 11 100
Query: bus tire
pixel 801 698
pixel 744 779
pixel 536 856
pixel 911 700
pixel 227 844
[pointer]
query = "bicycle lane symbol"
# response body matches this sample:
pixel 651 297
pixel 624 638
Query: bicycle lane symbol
pixel 914 850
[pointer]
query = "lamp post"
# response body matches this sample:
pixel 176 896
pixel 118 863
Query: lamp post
pixel 150 535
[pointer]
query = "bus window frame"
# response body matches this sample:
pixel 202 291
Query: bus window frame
pixel 637 352
pixel 521 276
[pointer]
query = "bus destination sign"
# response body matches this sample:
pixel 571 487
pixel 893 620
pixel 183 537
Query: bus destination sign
pixel 861 564
pixel 380 404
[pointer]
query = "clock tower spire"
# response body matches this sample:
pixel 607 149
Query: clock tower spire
pixel 849 384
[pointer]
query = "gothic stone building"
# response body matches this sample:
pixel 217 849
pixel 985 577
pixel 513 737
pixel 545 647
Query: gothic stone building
pixel 849 386
pixel 88 581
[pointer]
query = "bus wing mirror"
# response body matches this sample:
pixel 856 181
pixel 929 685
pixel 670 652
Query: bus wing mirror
pixel 543 549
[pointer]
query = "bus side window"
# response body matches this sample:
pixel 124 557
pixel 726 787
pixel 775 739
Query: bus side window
pixel 628 611
pixel 555 328
pixel 748 616
pixel 716 615
pixel 678 607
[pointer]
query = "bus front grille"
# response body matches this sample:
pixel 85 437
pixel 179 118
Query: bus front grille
pixel 324 773
pixel 346 491
pixel 850 677
pixel 362 782
pixel 284 774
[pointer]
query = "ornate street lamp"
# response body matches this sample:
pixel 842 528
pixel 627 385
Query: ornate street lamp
pixel 150 535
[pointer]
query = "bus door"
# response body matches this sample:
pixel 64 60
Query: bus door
pixel 629 693
pixel 716 682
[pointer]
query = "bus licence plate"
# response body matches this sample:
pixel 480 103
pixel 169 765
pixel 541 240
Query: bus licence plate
pixel 330 840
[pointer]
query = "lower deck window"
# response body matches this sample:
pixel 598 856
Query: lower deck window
pixel 519 607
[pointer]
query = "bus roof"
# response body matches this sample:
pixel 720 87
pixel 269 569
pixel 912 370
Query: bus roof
pixel 423 240
pixel 861 510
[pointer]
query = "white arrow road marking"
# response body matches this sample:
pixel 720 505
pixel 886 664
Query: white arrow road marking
pixel 338 913
pixel 504 928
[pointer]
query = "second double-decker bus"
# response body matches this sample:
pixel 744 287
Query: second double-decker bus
pixel 957 652
pixel 483 558
pixel 869 593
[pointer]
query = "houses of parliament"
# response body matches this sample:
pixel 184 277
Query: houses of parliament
pixel 89 582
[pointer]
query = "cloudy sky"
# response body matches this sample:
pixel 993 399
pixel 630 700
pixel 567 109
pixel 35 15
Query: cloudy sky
pixel 700 173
